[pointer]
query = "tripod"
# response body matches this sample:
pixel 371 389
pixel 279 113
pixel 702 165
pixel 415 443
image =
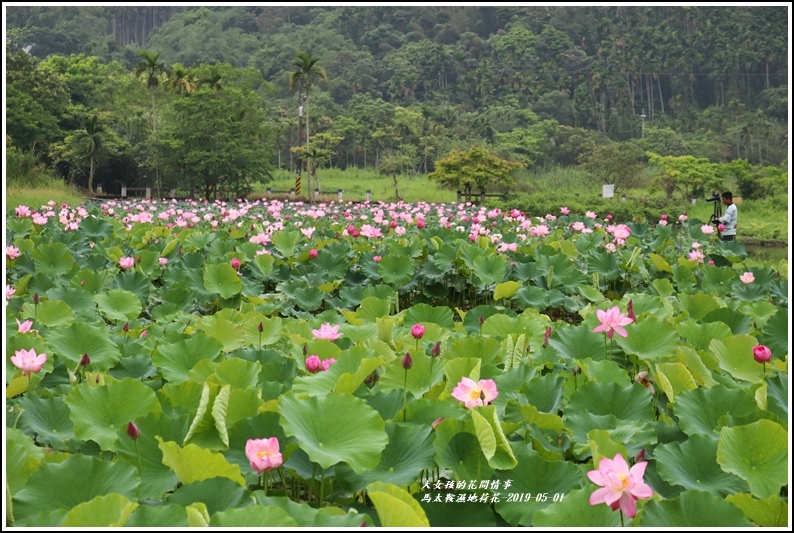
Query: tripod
pixel 716 214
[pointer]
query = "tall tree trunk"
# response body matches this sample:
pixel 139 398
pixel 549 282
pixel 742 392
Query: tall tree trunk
pixel 91 176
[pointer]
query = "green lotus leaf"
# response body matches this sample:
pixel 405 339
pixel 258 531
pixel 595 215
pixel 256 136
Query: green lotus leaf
pixel 735 356
pixel 674 378
pixel 633 435
pixel 271 330
pixel 161 516
pixel 758 453
pixel 738 322
pixel 395 507
pixel 531 415
pixel 52 313
pixel 698 305
pixel 118 304
pixel 490 269
pixel 626 403
pixel 409 451
pixel 692 508
pixel 22 456
pixel 194 240
pixel 776 334
pixel 493 442
pixel 372 308
pixel 502 325
pixel 238 373
pixel 20 227
pixel 81 338
pixel 53 487
pixel 197 515
pixel 361 333
pixel 348 372
pixel 417 380
pixel 134 282
pixel 208 428
pixel 532 297
pixel 175 360
pixel 309 517
pixel 111 510
pixel 99 413
pixel 53 259
pixel 769 512
pixel 396 269
pixel 693 465
pixel 445 256
pixel 700 335
pixel 264 263
pixel 253 516
pixel 506 290
pixel 423 313
pixel 602 445
pixel 321 426
pixel 228 333
pixel 427 410
pixel 575 511
pixel 533 475
pixel 458 449
pixel 544 392
pixel 777 393
pixel 47 419
pixel 285 242
pixel 604 372
pixel 485 349
pixel 699 411
pixel 308 298
pixel 192 463
pixel 217 493
pixel 222 279
pixel 580 342
pixel 605 264
pixel 649 339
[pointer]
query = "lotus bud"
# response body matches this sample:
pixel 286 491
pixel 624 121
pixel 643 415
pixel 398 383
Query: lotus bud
pixel 36 296
pixel 85 360
pixel 260 327
pixel 435 351
pixel 418 331
pixel 133 432
pixel 407 361
pixel 126 327
pixel 762 354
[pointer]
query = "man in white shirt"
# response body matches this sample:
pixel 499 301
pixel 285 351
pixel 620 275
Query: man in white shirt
pixel 727 222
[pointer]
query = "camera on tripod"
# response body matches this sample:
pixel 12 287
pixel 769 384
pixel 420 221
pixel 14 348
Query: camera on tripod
pixel 715 197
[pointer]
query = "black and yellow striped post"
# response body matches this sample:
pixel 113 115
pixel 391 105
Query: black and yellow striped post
pixel 297 184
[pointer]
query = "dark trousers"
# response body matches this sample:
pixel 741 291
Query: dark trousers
pixel 728 237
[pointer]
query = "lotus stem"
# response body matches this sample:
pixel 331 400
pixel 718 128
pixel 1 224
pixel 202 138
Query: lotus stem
pixel 405 393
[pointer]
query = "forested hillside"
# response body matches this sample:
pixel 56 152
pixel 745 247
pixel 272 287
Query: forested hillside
pixel 400 87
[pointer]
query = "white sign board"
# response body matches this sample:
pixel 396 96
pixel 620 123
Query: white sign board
pixel 609 190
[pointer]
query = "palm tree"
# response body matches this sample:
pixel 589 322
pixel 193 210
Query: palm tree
pixel 181 81
pixel 90 142
pixel 151 69
pixel 306 68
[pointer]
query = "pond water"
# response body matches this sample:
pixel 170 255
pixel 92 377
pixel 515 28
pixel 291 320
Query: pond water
pixel 767 253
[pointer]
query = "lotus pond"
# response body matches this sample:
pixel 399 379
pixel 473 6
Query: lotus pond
pixel 291 365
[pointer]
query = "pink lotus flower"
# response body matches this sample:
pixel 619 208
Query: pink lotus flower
pixel 706 229
pixel 376 258
pixel 420 223
pixel 762 354
pixel 25 326
pixel 12 252
pixel 418 331
pixel 328 362
pixel 126 263
pixel 235 263
pixel 327 331
pixel 28 361
pixel 747 278
pixel 132 431
pixel 612 321
pixel 9 292
pixel 22 211
pixel 312 253
pixel 565 211
pixel 721 227
pixel 313 364
pixel 263 454
pixel 163 261
pixel 475 394
pixel 682 218
pixel 620 487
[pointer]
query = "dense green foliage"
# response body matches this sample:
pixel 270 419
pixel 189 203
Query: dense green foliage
pixel 540 85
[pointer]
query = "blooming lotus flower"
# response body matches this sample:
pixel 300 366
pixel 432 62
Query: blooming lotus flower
pixel 706 229
pixel 25 326
pixel 28 361
pixel 12 252
pixel 127 263
pixel 263 454
pixel 9 292
pixel 747 278
pixel 328 362
pixel 620 487
pixel 313 364
pixel 418 331
pixel 376 258
pixel 762 354
pixel 475 393
pixel 682 218
pixel 612 321
pixel 565 211
pixel 327 331
pixel 163 261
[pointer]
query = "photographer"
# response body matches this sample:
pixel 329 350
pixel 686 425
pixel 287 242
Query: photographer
pixel 728 220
